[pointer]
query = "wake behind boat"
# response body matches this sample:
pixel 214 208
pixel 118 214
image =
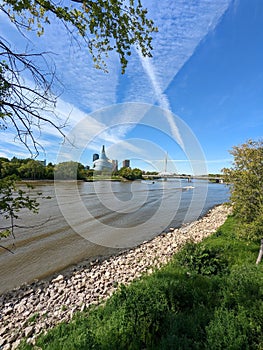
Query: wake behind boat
pixel 148 182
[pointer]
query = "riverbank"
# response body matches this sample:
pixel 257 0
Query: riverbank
pixel 37 307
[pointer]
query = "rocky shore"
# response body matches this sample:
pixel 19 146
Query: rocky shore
pixel 34 308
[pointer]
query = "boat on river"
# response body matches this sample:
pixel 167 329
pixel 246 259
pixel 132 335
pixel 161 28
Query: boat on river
pixel 186 188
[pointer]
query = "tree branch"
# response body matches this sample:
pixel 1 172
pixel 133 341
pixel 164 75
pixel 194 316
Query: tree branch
pixel 25 106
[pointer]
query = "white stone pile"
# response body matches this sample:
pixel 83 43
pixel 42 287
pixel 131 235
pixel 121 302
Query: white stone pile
pixel 34 308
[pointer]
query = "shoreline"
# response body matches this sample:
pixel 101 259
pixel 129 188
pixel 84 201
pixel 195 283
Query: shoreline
pixel 33 308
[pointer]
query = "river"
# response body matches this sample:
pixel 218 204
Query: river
pixel 85 220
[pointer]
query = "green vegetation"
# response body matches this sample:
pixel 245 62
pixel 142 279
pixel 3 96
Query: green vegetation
pixel 130 174
pixel 12 200
pixel 30 169
pixel 33 319
pixel 210 296
pixel 246 175
pixel 246 178
pixel 69 171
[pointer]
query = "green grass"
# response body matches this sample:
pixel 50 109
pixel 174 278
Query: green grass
pixel 33 318
pixel 210 296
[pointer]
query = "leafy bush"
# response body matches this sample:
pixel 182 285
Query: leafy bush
pixel 185 330
pixel 243 287
pixel 252 230
pixel 237 323
pixel 228 330
pixel 203 260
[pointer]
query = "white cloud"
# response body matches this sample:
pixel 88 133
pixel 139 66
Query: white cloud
pixel 182 26
pixel 161 97
pixel 84 86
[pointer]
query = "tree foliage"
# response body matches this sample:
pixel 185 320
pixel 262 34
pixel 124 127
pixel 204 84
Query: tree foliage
pixel 69 171
pixel 130 174
pixel 246 177
pixel 29 169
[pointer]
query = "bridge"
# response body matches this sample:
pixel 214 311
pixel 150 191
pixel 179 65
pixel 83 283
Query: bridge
pixel 166 175
pixel 189 178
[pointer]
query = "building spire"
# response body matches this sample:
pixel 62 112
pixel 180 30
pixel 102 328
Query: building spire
pixel 103 153
pixel 103 163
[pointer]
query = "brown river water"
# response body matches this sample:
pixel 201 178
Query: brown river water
pixel 86 220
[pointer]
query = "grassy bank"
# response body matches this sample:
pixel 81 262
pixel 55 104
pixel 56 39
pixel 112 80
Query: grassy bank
pixel 210 296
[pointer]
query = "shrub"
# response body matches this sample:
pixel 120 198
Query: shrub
pixel 252 230
pixel 202 260
pixel 185 330
pixel 243 288
pixel 228 330
pixel 238 323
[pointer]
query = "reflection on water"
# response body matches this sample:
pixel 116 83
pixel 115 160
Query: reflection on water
pixel 112 215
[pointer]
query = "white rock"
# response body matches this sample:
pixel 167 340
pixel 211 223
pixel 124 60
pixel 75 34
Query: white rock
pixel 6 346
pixel 16 344
pixel 58 279
pixel 2 341
pixel 29 331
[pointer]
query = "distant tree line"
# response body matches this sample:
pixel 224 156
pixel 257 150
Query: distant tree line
pixel 31 169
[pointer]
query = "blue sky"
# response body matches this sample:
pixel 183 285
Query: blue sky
pixel 200 94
